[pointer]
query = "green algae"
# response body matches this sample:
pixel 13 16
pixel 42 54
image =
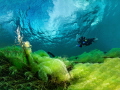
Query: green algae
pixel 94 70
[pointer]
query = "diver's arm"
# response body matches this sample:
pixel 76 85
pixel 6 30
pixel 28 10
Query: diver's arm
pixel 79 45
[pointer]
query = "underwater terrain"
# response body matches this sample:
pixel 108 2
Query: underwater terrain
pixel 94 70
pixel 39 48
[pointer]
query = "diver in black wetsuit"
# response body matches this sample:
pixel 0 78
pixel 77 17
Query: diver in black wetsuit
pixel 83 41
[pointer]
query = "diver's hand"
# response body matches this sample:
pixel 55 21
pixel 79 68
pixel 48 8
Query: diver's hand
pixel 77 45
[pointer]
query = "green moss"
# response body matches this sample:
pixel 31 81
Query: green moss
pixel 96 73
pixel 95 56
pixel 42 53
pixel 54 67
pixel 66 61
pixel 114 52
pixel 2 56
pixel 104 76
pixel 15 56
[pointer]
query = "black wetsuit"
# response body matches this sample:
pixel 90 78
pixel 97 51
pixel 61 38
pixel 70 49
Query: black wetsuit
pixel 85 42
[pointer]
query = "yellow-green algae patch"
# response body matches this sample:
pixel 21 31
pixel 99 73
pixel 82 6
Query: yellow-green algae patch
pixel 91 57
pixel 104 76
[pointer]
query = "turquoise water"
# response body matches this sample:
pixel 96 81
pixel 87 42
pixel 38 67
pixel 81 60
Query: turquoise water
pixel 52 25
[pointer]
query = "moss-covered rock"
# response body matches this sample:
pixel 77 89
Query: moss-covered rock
pixel 50 66
pixel 41 53
pixel 95 56
pixel 14 55
pixel 104 76
pixel 114 52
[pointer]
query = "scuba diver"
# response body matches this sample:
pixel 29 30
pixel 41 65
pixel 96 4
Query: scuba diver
pixel 83 41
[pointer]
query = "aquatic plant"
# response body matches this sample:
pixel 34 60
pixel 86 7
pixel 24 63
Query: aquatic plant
pixel 114 52
pixel 41 53
pixel 14 55
pixel 41 68
pixel 45 73
pixel 104 76
pixel 94 56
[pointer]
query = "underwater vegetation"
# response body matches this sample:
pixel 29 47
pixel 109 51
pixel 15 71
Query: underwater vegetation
pixel 94 56
pixel 59 73
pixel 40 73
pixel 22 69
pixel 104 76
